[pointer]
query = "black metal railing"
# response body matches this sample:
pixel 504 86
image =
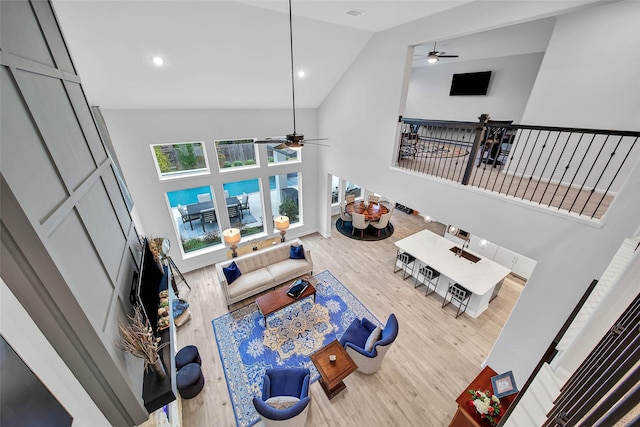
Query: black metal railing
pixel 569 169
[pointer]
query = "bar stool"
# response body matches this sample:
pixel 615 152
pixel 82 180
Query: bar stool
pixel 430 277
pixel 406 262
pixel 460 294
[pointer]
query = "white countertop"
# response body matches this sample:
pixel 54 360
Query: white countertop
pixel 433 250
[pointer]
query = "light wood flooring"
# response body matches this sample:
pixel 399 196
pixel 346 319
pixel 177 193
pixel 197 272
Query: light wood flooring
pixel 487 177
pixel 433 359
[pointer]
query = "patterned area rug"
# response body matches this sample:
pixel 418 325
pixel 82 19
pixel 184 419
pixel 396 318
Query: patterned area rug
pixel 439 150
pixel 248 348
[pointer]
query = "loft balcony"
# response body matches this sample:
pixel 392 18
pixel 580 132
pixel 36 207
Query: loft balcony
pixel 577 171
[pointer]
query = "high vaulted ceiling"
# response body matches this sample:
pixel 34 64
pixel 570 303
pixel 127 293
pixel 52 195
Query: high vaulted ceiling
pixel 235 54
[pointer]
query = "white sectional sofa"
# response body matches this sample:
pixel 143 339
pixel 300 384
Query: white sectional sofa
pixel 263 269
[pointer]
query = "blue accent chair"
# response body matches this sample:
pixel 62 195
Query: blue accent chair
pixel 282 382
pixel 355 338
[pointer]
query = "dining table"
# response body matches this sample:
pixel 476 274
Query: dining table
pixel 371 211
pixel 196 208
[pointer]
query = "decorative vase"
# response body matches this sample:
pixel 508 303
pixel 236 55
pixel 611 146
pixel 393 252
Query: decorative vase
pixel 158 368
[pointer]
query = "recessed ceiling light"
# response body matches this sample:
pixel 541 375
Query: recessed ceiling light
pixel 157 60
pixel 354 12
pixel 301 74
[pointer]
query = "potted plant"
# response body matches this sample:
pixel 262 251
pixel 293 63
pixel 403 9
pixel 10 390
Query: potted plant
pixel 137 338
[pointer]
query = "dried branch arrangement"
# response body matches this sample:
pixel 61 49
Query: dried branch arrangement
pixel 137 338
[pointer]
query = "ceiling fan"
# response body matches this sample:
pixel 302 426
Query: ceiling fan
pixel 291 140
pixel 434 56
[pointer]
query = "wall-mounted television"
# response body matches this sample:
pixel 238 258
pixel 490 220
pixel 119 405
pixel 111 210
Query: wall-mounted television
pixel 150 280
pixel 470 84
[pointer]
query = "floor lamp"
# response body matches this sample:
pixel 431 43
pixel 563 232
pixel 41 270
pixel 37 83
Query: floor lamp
pixel 282 224
pixel 232 237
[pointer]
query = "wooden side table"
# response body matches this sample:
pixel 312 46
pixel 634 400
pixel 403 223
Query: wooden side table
pixel 466 416
pixel 332 373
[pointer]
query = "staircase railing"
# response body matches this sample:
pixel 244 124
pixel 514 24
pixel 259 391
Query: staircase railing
pixel 570 169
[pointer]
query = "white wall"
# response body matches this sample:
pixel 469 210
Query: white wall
pixel 570 252
pixel 591 71
pixel 19 330
pixel 133 131
pixel 512 78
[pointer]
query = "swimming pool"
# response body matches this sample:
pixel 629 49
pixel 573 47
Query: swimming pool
pixel 190 195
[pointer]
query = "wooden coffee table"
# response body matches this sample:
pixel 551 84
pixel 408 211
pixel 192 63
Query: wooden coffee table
pixel 278 299
pixel 332 373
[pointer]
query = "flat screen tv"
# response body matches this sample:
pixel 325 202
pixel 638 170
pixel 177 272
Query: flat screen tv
pixel 470 83
pixel 149 280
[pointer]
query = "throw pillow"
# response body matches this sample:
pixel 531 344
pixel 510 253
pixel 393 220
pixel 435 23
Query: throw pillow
pixel 231 273
pixel 296 252
pixel 282 402
pixel 373 337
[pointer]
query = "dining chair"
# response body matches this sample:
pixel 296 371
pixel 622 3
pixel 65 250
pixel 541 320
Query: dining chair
pixel 382 223
pixel 205 197
pixel 359 222
pixel 372 198
pixel 207 216
pixel 350 198
pixel 344 216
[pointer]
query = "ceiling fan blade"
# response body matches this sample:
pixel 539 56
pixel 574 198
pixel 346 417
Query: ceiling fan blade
pixel 447 56
pixel 306 141
pixel 315 139
pixel 270 141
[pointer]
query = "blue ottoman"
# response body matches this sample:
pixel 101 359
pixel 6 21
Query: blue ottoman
pixel 190 381
pixel 186 355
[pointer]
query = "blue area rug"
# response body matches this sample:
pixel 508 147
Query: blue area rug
pixel 247 348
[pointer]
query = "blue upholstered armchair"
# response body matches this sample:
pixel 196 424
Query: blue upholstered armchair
pixel 367 344
pixel 285 397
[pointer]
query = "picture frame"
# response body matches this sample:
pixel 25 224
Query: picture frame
pixel 504 385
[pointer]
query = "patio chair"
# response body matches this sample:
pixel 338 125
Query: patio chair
pixel 184 214
pixel 234 212
pixel 244 203
pixel 207 216
pixel 205 197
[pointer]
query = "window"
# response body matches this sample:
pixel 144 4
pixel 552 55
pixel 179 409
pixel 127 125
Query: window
pixel 236 153
pixel 180 158
pixel 335 189
pixel 195 218
pixel 244 206
pixel 279 155
pixel 285 196
pixel 353 189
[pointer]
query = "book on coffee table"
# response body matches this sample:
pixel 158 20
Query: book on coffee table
pixel 297 288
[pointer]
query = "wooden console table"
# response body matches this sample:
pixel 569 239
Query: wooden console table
pixel 248 248
pixel 466 416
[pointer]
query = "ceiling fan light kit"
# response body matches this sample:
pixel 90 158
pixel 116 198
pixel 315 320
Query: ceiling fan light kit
pixel 434 56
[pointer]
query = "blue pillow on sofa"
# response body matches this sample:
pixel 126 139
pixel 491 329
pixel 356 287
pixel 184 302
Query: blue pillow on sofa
pixel 296 252
pixel 231 273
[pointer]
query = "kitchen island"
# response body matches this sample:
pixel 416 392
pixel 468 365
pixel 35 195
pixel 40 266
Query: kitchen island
pixel 481 278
